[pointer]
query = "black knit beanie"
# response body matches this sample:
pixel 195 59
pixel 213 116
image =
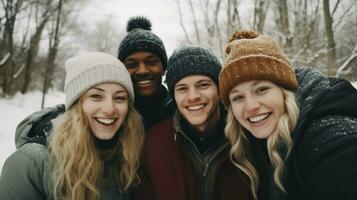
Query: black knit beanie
pixel 191 60
pixel 140 38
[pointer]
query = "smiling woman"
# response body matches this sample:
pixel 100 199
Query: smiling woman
pixel 95 146
pixel 105 106
pixel 289 129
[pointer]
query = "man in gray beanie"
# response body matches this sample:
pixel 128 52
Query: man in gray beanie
pixel 144 56
pixel 187 156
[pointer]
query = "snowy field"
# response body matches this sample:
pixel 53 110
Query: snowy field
pixel 14 110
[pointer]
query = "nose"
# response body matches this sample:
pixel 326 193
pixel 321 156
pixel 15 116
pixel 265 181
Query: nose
pixel 193 94
pixel 252 104
pixel 108 107
pixel 142 68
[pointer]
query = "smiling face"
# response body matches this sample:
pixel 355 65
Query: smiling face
pixel 106 107
pixel 257 105
pixel 146 72
pixel 197 100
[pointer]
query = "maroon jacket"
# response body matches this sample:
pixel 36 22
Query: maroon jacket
pixel 167 173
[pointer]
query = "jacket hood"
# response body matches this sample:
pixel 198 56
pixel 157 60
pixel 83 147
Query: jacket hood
pixel 318 96
pixel 37 126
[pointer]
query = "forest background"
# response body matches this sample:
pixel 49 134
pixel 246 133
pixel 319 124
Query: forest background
pixel 37 36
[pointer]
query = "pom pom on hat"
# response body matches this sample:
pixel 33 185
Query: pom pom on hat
pixel 238 35
pixel 138 22
pixel 141 38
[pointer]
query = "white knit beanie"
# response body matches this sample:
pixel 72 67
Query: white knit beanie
pixel 89 69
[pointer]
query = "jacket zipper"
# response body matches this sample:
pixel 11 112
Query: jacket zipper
pixel 205 165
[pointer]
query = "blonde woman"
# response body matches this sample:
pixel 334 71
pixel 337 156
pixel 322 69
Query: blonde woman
pixel 93 151
pixel 293 132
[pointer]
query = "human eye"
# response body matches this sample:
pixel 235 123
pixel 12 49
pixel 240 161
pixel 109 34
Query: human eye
pixel 95 97
pixel 180 89
pixel 204 85
pixel 262 89
pixel 236 98
pixel 131 64
pixel 120 98
pixel 151 61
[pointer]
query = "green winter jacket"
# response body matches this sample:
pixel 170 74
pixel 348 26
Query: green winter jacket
pixel 26 174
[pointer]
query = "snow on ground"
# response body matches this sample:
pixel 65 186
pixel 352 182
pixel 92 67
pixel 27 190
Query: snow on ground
pixel 14 110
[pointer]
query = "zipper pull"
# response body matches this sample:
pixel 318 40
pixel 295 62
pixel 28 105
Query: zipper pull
pixel 205 169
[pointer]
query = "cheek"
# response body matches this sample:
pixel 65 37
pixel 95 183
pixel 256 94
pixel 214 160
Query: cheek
pixel 280 106
pixel 87 110
pixel 237 112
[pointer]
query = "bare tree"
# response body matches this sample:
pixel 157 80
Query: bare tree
pixel 11 8
pixel 344 68
pixel 283 25
pixel 54 41
pixel 260 11
pixel 32 51
pixel 331 43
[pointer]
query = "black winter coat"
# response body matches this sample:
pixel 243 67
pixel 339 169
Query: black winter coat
pixel 322 164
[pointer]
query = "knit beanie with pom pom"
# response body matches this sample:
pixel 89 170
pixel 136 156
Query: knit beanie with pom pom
pixel 140 38
pixel 254 57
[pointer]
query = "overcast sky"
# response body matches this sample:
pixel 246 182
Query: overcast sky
pixel 162 13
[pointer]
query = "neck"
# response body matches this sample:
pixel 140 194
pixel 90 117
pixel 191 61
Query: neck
pixel 154 100
pixel 106 144
pixel 210 125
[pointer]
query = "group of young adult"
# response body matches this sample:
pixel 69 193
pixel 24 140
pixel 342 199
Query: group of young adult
pixel 255 128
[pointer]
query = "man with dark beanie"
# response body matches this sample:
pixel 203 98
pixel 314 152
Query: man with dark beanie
pixel 144 56
pixel 187 156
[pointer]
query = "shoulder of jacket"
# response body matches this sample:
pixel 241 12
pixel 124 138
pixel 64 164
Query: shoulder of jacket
pixel 330 130
pixel 36 125
pixel 158 130
pixel 37 153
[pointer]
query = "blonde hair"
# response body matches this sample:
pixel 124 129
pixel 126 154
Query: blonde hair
pixel 77 164
pixel 240 154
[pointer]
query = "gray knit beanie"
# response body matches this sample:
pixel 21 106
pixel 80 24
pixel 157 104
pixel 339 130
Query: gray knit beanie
pixel 89 69
pixel 191 60
pixel 140 38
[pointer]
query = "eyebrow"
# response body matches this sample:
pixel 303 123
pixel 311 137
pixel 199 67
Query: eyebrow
pixel 198 82
pixel 235 90
pixel 102 90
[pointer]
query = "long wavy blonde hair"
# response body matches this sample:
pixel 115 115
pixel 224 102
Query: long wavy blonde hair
pixel 240 153
pixel 77 164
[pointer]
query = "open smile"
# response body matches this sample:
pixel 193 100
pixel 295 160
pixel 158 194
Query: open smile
pixel 196 108
pixel 144 83
pixel 107 122
pixel 258 119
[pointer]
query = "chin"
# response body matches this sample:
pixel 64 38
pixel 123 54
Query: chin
pixel 104 137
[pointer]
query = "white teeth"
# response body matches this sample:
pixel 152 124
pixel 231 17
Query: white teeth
pixel 144 82
pixel 193 108
pixel 106 120
pixel 258 118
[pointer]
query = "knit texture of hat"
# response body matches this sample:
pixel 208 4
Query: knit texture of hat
pixel 191 60
pixel 140 38
pixel 254 57
pixel 89 69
